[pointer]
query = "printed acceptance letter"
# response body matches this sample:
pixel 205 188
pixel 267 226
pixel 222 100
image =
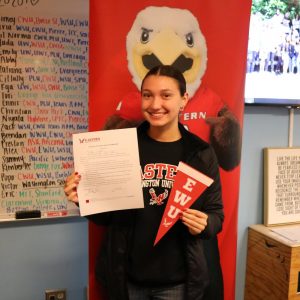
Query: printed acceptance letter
pixel 108 162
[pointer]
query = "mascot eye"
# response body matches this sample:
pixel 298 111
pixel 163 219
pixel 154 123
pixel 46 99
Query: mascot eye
pixel 189 39
pixel 145 35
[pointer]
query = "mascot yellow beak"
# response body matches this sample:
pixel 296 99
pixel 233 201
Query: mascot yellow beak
pixel 168 49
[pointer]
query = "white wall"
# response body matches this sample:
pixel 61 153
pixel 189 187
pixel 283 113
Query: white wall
pixel 263 127
pixel 43 254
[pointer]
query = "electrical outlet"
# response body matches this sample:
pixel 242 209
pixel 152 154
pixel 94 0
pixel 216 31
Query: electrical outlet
pixel 56 294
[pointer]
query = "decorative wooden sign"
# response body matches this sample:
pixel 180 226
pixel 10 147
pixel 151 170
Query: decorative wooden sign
pixel 281 185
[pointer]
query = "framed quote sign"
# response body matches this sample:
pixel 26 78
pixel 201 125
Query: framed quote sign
pixel 281 185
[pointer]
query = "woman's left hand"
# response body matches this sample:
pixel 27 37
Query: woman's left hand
pixel 195 220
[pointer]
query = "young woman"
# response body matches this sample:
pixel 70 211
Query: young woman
pixel 184 265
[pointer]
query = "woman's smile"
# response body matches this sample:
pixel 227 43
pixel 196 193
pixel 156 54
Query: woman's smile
pixel 161 103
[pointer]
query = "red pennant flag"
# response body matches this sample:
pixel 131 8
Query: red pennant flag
pixel 189 184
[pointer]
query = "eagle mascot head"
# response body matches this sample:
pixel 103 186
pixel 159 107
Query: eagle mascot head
pixel 168 36
pixel 172 36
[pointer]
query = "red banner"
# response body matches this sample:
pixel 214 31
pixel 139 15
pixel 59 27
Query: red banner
pixel 189 184
pixel 207 41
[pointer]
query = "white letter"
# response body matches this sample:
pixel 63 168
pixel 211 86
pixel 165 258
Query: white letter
pixel 182 198
pixel 173 212
pixel 190 183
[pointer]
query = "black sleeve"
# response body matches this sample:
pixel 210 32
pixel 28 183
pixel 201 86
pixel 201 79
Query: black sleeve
pixel 100 219
pixel 210 202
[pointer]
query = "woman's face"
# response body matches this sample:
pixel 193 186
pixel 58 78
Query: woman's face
pixel 162 102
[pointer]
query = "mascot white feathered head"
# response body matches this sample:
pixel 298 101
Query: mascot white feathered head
pixel 169 36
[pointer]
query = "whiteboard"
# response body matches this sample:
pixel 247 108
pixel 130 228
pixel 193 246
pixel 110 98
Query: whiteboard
pixel 43 101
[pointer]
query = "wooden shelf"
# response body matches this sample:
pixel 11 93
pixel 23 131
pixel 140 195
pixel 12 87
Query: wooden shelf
pixel 273 266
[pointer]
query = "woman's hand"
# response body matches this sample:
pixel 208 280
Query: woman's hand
pixel 70 188
pixel 195 220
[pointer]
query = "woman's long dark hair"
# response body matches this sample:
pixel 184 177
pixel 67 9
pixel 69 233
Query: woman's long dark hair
pixel 169 71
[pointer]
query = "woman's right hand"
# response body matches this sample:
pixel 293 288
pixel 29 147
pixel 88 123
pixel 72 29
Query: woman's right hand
pixel 71 185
